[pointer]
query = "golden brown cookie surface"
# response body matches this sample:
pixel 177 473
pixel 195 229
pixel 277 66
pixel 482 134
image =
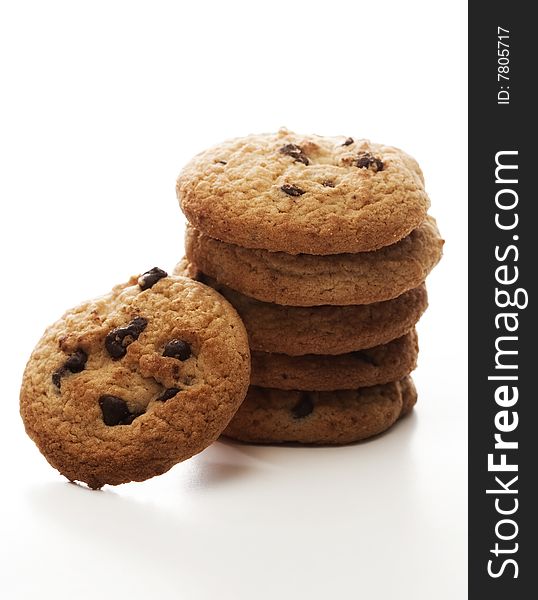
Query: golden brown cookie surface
pixel 299 330
pixel 303 193
pixel 373 366
pixel 123 387
pixel 308 280
pixel 342 417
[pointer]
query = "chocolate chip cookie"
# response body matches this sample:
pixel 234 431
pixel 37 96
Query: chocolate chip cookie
pixel 123 387
pixel 304 193
pixel 381 364
pixel 307 280
pixel 279 416
pixel 297 330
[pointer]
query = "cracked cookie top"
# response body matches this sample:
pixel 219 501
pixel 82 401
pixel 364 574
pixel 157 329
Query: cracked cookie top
pixel 303 194
pixel 123 387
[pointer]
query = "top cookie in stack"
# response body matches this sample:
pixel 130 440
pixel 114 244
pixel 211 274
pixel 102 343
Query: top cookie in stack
pixel 304 194
pixel 338 225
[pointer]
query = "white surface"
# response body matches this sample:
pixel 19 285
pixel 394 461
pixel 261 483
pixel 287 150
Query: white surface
pixel 101 104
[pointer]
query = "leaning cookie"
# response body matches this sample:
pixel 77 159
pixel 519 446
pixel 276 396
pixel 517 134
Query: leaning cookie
pixel 343 417
pixel 307 280
pixel 381 364
pixel 123 387
pixel 303 193
pixel 298 330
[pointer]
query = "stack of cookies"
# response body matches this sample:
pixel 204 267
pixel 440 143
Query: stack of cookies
pixel 322 245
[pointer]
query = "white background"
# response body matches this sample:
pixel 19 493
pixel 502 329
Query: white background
pixel 101 104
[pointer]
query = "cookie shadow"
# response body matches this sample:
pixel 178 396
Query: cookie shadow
pixel 74 508
pixel 219 464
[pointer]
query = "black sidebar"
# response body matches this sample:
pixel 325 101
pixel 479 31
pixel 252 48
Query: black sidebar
pixel 503 269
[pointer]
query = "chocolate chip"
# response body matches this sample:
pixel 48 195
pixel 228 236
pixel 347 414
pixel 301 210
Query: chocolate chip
pixel 365 160
pixel 115 411
pixel 222 162
pixel 130 418
pixel 296 152
pixel 76 362
pixel 118 339
pixel 364 356
pixel 167 394
pixel 138 324
pixel 304 407
pixel 328 183
pixel 292 190
pixel 150 278
pixel 348 141
pixel 177 349
pixel 57 377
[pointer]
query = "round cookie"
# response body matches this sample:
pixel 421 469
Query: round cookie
pixel 280 416
pixel 123 387
pixel 303 193
pixel 307 280
pixel 298 330
pixel 381 364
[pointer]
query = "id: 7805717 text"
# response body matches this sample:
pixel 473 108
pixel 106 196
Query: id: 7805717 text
pixel 503 65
